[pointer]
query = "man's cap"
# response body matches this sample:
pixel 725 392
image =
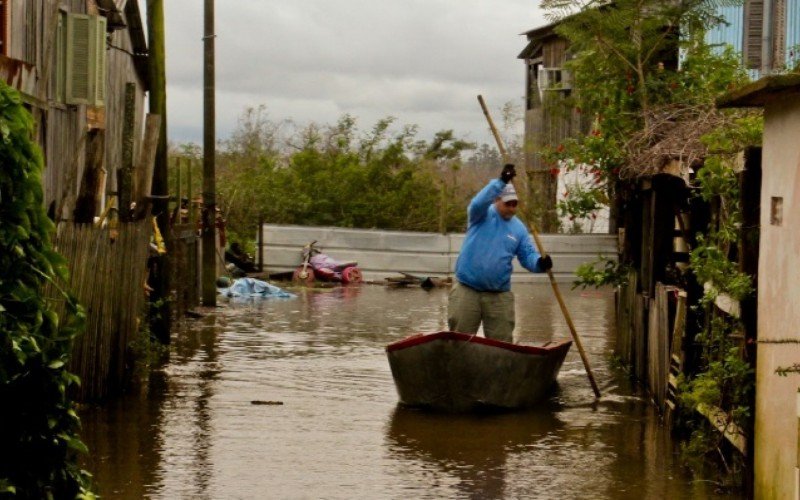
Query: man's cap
pixel 508 193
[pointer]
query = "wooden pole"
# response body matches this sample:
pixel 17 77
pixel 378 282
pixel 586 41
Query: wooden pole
pixel 125 174
pixel 209 188
pixel 556 290
pixel 157 174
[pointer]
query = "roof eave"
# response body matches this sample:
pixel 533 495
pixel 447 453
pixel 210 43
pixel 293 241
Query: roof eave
pixel 756 94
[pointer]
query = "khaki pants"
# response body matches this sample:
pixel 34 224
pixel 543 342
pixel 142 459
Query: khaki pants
pixel 467 308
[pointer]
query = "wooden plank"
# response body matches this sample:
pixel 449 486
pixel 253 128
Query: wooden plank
pixel 146 164
pixel 720 420
pixel 92 184
pixel 125 173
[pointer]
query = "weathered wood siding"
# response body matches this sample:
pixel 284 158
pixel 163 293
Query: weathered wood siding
pixel 121 70
pixel 63 126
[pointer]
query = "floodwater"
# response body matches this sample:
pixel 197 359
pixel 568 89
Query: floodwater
pixel 193 431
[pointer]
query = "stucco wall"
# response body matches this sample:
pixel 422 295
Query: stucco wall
pixel 776 433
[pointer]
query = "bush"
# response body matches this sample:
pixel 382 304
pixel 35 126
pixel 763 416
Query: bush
pixel 38 423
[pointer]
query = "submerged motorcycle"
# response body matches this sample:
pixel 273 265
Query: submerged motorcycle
pixel 319 266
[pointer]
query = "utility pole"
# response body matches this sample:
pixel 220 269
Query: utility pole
pixel 209 146
pixel 161 317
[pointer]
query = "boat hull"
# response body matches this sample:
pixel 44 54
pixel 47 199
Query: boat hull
pixel 456 372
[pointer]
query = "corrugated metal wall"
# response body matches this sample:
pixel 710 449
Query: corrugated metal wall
pixel 792 32
pixel 387 253
pixel 732 31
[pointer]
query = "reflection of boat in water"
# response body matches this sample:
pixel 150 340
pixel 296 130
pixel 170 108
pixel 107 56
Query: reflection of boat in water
pixel 473 451
pixel 457 372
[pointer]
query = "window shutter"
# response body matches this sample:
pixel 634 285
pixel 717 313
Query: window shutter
pixel 61 58
pixel 753 31
pixel 86 60
pixel 79 72
pixel 100 62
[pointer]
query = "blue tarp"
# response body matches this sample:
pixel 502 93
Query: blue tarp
pixel 250 287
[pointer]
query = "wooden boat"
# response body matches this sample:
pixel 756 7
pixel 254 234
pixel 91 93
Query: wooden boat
pixel 457 372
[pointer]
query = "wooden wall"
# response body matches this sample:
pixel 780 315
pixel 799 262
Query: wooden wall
pixel 62 128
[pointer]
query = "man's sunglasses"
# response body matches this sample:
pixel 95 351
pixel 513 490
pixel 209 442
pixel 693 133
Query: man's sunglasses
pixel 510 203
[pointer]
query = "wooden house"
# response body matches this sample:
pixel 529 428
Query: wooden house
pixel 71 60
pixel 81 67
pixel 549 119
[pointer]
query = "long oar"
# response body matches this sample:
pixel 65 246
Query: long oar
pixel 535 234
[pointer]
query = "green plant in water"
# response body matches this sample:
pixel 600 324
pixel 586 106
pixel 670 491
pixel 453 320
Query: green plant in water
pixel 601 272
pixel 39 443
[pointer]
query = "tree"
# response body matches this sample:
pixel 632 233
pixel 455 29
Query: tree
pixel 625 72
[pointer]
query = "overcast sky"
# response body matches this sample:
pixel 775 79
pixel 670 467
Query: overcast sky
pixel 421 61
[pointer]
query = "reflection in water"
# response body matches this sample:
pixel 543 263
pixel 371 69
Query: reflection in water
pixel 194 432
pixel 472 448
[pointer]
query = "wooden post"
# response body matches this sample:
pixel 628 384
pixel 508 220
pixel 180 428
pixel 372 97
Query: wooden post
pixel 443 208
pixel 146 166
pixel 260 245
pixel 154 154
pixel 541 249
pixel 158 106
pixel 190 192
pixel 209 148
pixel 93 179
pixel 125 173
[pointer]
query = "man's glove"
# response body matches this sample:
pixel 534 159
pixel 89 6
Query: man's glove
pixel 545 263
pixel 508 173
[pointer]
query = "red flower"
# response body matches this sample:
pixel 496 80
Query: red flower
pixel 555 171
pixel 560 148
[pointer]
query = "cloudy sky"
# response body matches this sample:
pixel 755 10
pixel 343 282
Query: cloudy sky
pixel 420 61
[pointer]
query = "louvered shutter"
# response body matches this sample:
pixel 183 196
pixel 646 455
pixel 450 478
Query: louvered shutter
pixel 100 62
pixel 753 31
pixel 79 71
pixel 86 60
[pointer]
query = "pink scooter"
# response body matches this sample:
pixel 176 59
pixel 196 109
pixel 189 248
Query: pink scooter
pixel 317 265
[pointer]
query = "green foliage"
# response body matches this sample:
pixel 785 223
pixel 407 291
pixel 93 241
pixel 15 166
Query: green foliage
pixel 602 272
pixel 726 379
pixel 624 68
pixel 339 176
pixel 38 425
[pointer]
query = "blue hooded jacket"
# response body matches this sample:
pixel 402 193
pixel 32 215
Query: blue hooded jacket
pixel 485 261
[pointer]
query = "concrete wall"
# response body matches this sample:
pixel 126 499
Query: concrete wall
pixel 386 253
pixel 776 432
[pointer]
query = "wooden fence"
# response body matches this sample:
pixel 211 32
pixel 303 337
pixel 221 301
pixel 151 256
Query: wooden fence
pixel 185 251
pixel 107 276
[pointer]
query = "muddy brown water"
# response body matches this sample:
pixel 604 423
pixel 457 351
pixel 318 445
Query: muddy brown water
pixel 194 432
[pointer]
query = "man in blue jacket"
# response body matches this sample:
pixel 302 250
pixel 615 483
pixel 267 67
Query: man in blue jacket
pixel 482 292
